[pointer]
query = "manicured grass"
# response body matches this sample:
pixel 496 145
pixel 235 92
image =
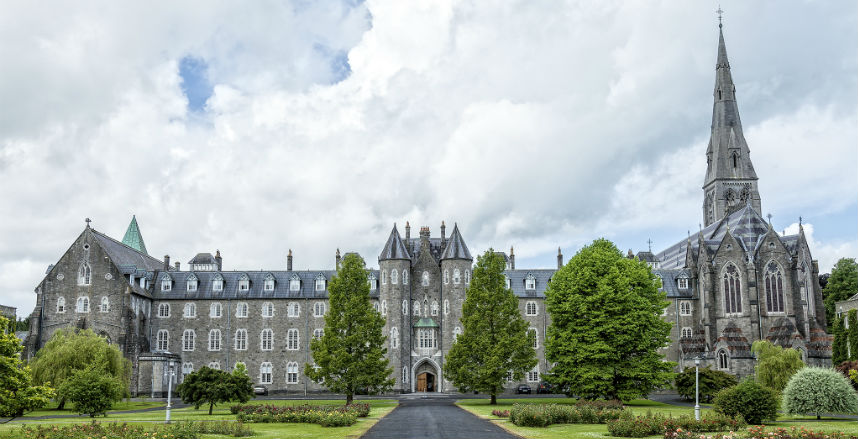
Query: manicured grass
pixel 51 410
pixel 379 408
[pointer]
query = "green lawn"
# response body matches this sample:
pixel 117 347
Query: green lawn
pixel 481 408
pixel 379 408
pixel 51 409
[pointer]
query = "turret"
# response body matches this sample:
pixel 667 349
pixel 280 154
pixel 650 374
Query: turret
pixel 394 285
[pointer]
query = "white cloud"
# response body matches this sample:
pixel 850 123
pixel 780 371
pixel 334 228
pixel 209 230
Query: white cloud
pixel 826 252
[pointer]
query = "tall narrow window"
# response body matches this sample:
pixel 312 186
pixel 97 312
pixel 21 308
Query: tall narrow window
pixel 723 360
pixel 214 340
pixel 163 340
pixel 416 309
pixel 265 373
pixel 774 289
pixel 457 276
pixel 266 340
pixel 61 305
pixel 267 309
pixel 384 307
pixel 446 307
pixel 405 307
pixel 383 277
pixel 404 374
pixel 292 341
pixel 533 335
pixel 84 274
pixel 373 282
pixel 82 304
pixel 215 310
pixel 404 277
pixel 241 339
pixel 434 307
pixel 164 310
pixel 105 304
pixel 188 340
pixel 394 338
pixel 457 331
pixel 467 277
pixel 394 277
pixel 241 310
pixel 292 373
pixel 732 290
pixel 530 308
pixel 446 277
pixel 425 278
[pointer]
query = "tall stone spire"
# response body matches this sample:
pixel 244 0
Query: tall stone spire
pixel 731 181
pixel 394 248
pixel 133 238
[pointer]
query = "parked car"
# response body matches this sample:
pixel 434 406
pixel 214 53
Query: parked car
pixel 259 389
pixel 523 388
pixel 544 387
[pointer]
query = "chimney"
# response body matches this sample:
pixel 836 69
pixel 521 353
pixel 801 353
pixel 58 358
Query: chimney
pixel 559 259
pixel 630 255
pixel 166 262
pixel 408 236
pixel 218 260
pixel 511 258
pixel 178 266
pixel 424 234
pixel 338 259
pixel 289 261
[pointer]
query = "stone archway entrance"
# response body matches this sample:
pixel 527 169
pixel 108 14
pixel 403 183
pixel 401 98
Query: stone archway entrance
pixel 426 378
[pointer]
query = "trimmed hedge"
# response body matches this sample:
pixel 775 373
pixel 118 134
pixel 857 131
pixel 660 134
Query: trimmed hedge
pixel 748 399
pixel 326 416
pixel 629 425
pixel 178 430
pixel 543 415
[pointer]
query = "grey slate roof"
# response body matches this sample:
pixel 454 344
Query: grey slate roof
pixel 669 282
pixel 517 281
pixel 416 246
pixel 203 258
pixel 126 258
pixel 456 248
pixel 394 248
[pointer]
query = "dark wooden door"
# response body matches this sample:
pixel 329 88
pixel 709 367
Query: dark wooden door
pixel 421 382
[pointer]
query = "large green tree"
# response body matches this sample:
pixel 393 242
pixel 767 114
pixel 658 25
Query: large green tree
pixel 17 392
pixel 211 386
pixel 69 351
pixel 495 340
pixel 350 356
pixel 842 284
pixel 606 326
pixel 775 365
pixel 91 391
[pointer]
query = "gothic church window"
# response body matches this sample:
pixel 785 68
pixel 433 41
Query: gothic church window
pixel 265 370
pixel 163 340
pixel 394 278
pixel 241 310
pixel 446 307
pixel 404 277
pixel 188 340
pixel 394 338
pixel 457 276
pixel 292 340
pixel 384 307
pixel 293 309
pixel 292 373
pixel 82 304
pixel 105 304
pixel 190 310
pixel 266 339
pixel 446 277
pixel 215 310
pixel 416 308
pixel 164 310
pixel 267 309
pixel 723 360
pixel 425 279
pixel 732 290
pixel 774 289
pixel 241 340
pixel 434 307
pixel 457 331
pixel 686 333
pixel 530 308
pixel 84 274
pixel 61 305
pixel 214 340
pixel 405 307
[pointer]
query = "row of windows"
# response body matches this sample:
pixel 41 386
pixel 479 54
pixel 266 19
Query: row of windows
pixel 240 339
pixel 82 304
pixel 532 375
pixel 293 309
pixel 266 371
pixel 192 283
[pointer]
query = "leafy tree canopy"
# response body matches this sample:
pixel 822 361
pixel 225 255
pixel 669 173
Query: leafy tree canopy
pixel 818 390
pixel 350 356
pixel 17 392
pixel 494 340
pixel 775 365
pixel 212 386
pixel 92 391
pixel 606 326
pixel 842 284
pixel 711 382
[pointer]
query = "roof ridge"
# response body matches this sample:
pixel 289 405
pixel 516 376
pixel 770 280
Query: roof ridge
pixel 125 245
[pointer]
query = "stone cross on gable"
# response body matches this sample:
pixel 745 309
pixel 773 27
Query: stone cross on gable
pixel 649 242
pixel 88 221
pixel 720 16
pixel 769 216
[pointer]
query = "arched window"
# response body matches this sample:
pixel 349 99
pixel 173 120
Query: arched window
pixel 685 308
pixel 105 304
pixel 164 310
pixel 192 283
pixel 394 338
pixel 425 279
pixel 217 283
pixel 434 307
pixel 405 307
pixel 166 283
pixel 267 309
pixel 243 283
pixel 82 304
pixel 426 338
pixel 241 339
pixel 416 309
pixel 457 276
pixel 292 373
pixel 318 333
pixel 294 283
pixel 292 341
pixel 404 277
pixel 394 277
pixel 774 289
pixel 533 334
pixel 686 332
pixel 384 307
pixel 735 160
pixel 530 308
pixel 373 282
pixel 266 340
pixel 293 309
pixel 404 374
pixel 723 360
pixel 214 365
pixel 163 340
pixel 268 283
pixel 530 282
pixel 319 309
pixel 383 277
pixel 241 310
pixel 320 283
pixel 187 369
pixel 446 277
pixel 467 277
pixel 61 304
pixel 215 310
pixel 265 370
pixel 375 307
pixel 188 340
pixel 446 307
pixel 214 340
pixel 732 290
pixel 190 310
pixel 457 331
pixel 84 274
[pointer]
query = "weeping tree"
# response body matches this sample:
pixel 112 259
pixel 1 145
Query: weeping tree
pixel 775 365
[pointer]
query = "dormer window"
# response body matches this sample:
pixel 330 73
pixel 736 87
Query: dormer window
pixel 217 283
pixel 373 282
pixel 192 283
pixel 166 284
pixel 294 283
pixel 530 282
pixel 659 281
pixel 243 283
pixel 268 285
pixel 320 283
pixel 682 283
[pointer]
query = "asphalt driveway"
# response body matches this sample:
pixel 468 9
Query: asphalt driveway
pixel 432 418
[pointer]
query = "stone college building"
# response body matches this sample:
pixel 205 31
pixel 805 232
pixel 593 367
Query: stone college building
pixel 735 282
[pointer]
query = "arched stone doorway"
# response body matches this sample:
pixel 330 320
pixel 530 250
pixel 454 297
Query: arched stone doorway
pixel 426 377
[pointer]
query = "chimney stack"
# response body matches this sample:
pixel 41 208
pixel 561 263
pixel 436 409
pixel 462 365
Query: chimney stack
pixel 408 236
pixel 178 266
pixel 424 234
pixel 559 259
pixel 511 258
pixel 218 260
pixel 289 261
pixel 338 259
pixel 166 262
pixel 443 234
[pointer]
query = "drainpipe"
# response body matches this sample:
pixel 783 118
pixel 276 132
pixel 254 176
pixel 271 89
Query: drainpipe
pixel 228 325
pixel 307 335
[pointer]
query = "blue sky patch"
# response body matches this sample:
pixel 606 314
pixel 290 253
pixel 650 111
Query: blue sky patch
pixel 195 82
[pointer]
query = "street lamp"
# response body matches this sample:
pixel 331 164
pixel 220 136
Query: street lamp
pixel 696 388
pixel 171 372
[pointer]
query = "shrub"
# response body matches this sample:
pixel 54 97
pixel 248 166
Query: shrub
pixel 178 430
pixel 92 391
pixel 818 390
pixel 327 416
pixel 845 368
pixel 640 426
pixel 711 382
pixel 753 402
pixel 543 415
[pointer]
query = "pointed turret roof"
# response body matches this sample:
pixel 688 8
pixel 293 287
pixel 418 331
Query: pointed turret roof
pixel 395 248
pixel 456 248
pixel 133 238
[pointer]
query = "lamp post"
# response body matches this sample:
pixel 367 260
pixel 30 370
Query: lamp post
pixel 696 388
pixel 171 372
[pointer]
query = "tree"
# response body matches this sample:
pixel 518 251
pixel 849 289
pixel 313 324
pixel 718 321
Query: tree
pixel 711 382
pixel 849 369
pixel 755 402
pixel 606 326
pixel 818 390
pixel 92 391
pixel 775 365
pixel 17 392
pixel 350 356
pixel 211 386
pixel 23 324
pixel 852 334
pixel 841 285
pixel 839 353
pixel 69 351
pixel 495 338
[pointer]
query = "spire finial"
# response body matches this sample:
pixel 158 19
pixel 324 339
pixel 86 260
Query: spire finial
pixel 769 216
pixel 87 222
pixel 649 243
pixel 720 13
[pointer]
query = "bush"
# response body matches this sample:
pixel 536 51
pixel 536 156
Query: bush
pixel 753 402
pixel 543 415
pixel 326 416
pixel 818 390
pixel 650 424
pixel 711 382
pixel 178 430
pixel 845 368
pixel 92 391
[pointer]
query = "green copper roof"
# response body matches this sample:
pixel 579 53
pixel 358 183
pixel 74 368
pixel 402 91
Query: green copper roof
pixel 133 238
pixel 426 323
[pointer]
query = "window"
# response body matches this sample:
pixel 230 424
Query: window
pixel 190 310
pixel 265 373
pixel 533 375
pixel 318 333
pixel 394 277
pixel 774 289
pixel 82 304
pixel 266 340
pixel 163 340
pixel 723 360
pixel 293 309
pixel 457 331
pixel 268 284
pixel 404 277
pixel 446 277
pixel 214 340
pixel 84 274
pixel 405 307
pixel 682 283
pixel 686 333
pixel 375 306
pixel 215 310
pixel 434 307
pixel 164 310
pixel 416 309
pixel 192 283
pixel 533 335
pixel 187 369
pixel 105 304
pixel 294 283
pixel 446 307
pixel 732 290
pixel 320 283
pixel 61 305
pixel 508 282
pixel 373 282
pixel 530 282
pixel 188 340
pixel 243 283
pixel 166 283
pixel 530 308
pixel 240 340
pixel 214 365
pixel 384 277
pixel 685 308
pixel 267 309
pixel 384 307
pixel 394 338
pixel 509 376
pixel 241 310
pixel 467 277
pixel 457 276
pixel 319 309
pixel 426 338
pixel 404 374
pixel 217 283
pixel 425 279
pixel 292 340
pixel 292 373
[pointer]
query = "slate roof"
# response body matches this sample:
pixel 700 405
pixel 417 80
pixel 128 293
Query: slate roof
pixel 133 238
pixel 517 278
pixel 416 246
pixel 456 248
pixel 669 282
pixel 126 258
pixel 394 248
pixel 203 258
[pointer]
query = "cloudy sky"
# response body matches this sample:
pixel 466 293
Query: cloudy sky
pixel 255 127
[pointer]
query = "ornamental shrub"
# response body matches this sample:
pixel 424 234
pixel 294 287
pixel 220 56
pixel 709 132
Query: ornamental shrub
pixel 543 415
pixel 752 401
pixel 327 416
pixel 711 382
pixel 92 391
pixel 845 368
pixel 818 390
pixel 650 424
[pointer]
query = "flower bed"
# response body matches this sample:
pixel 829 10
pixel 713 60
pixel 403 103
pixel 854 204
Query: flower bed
pixel 543 415
pixel 178 430
pixel 326 416
pixel 760 432
pixel 650 424
pixel 501 413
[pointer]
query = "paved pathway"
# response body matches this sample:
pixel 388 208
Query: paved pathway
pixel 431 418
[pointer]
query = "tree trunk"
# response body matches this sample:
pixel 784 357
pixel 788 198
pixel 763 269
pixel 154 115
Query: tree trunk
pixel 62 404
pixel 211 407
pixel 817 417
pixel 349 398
pixel 494 400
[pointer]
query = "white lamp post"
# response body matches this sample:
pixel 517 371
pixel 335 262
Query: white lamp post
pixel 696 388
pixel 171 372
